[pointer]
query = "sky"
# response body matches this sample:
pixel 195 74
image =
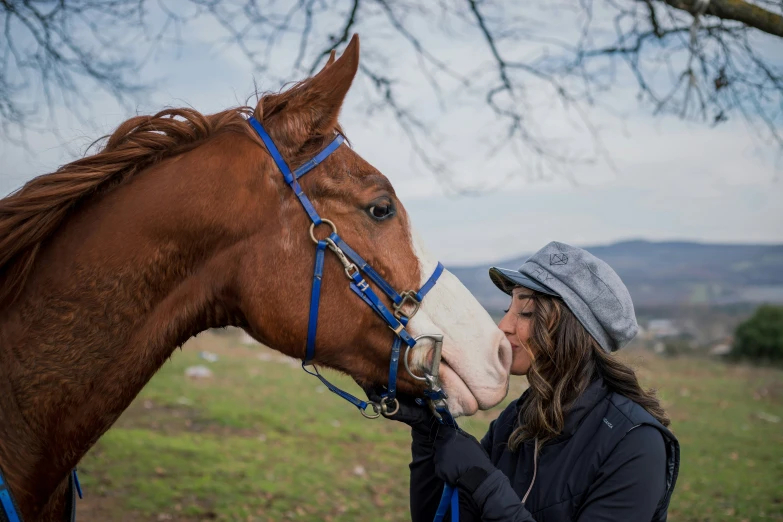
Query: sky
pixel 661 178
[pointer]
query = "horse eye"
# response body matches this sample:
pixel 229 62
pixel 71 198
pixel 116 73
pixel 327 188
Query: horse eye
pixel 381 210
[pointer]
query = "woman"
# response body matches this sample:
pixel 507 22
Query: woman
pixel 585 442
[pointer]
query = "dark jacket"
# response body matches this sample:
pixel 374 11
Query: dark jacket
pixel 612 462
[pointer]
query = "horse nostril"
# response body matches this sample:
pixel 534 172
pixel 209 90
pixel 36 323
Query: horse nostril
pixel 502 356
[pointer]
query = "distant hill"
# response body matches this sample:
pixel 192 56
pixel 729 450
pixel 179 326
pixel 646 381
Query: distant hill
pixel 668 273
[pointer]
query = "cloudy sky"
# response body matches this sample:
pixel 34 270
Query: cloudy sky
pixel 662 178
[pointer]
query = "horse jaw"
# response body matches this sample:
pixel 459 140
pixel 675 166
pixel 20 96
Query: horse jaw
pixel 476 355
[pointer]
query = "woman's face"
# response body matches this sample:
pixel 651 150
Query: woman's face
pixel 517 325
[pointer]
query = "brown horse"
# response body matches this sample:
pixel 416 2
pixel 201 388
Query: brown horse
pixel 182 223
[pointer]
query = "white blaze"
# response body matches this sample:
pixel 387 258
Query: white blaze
pixel 476 354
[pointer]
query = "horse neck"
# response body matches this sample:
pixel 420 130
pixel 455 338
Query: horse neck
pixel 123 282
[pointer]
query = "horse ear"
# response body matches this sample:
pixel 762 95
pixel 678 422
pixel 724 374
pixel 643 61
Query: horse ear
pixel 311 108
pixel 326 91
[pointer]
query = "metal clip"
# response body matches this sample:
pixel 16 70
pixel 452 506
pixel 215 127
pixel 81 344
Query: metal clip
pixel 434 408
pixel 350 268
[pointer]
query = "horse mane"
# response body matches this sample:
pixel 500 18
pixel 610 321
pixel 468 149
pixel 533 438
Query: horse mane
pixel 33 213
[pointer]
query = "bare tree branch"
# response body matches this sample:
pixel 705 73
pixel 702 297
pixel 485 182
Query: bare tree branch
pixel 746 13
pixel 343 38
pixel 707 61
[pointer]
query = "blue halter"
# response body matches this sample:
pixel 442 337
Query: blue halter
pixel 354 267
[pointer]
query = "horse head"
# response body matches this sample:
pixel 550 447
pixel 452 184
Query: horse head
pixel 361 203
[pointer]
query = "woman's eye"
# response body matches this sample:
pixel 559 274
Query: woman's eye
pixel 526 314
pixel 381 210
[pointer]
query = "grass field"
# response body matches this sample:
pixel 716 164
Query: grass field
pixel 261 440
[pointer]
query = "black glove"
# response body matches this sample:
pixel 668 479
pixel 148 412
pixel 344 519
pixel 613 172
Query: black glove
pixel 460 460
pixel 458 456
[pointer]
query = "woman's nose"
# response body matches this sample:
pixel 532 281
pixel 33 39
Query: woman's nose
pixel 506 325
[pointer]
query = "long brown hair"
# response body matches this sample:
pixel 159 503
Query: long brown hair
pixel 567 360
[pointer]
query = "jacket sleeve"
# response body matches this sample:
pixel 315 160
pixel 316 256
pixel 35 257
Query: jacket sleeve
pixel 631 482
pixel 497 501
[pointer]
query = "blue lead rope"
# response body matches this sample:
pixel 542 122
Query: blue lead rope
pixel 450 498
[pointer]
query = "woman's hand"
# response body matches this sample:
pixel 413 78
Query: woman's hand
pixel 456 453
pixel 460 460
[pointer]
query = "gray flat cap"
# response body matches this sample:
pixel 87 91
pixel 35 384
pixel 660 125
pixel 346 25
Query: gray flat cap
pixel 587 285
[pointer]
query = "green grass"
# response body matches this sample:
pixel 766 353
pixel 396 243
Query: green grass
pixel 262 440
pixel 732 454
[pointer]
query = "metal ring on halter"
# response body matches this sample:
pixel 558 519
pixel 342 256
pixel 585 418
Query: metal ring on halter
pixel 385 407
pixel 375 408
pixel 438 338
pixel 323 220
pixel 407 367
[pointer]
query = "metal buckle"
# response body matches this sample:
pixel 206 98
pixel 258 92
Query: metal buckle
pixel 408 295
